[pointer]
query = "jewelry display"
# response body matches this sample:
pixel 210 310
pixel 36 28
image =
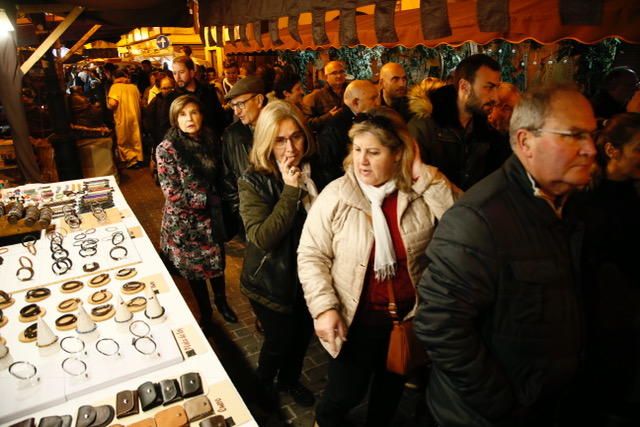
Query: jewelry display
pixel 126 273
pixel 5 299
pixel 46 337
pixel 133 287
pixel 31 215
pixel 145 345
pixel 16 211
pixel 30 334
pixel 25 272
pixel 139 328
pixel 3 320
pixel 108 347
pixel 68 305
pixel 71 217
pixel 66 322
pixel 23 370
pixel 62 263
pixel 46 214
pixel 35 295
pixel 117 238
pixel 102 312
pixel 29 242
pixel 136 304
pixel 74 367
pixel 71 286
pixel 29 312
pixel 99 280
pixel 100 297
pixel 72 345
pixel 153 309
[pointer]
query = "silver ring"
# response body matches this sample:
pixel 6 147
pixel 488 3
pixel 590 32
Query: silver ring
pixel 72 345
pixel 29 370
pixel 74 367
pixel 145 345
pixel 108 347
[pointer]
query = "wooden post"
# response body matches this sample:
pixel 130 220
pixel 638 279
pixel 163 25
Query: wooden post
pixel 79 43
pixel 51 39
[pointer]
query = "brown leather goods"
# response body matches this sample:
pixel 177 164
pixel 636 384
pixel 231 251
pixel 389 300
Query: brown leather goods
pixel 55 421
pixel 198 408
pixel 405 351
pixel 86 416
pixel 170 391
pixel 217 421
pixel 174 416
pixel 150 395
pixel 95 416
pixel 127 403
pixel 191 384
pixel 147 422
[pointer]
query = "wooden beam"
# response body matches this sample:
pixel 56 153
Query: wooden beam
pixel 79 43
pixel 51 39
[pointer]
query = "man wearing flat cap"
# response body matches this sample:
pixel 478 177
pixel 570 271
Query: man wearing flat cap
pixel 246 98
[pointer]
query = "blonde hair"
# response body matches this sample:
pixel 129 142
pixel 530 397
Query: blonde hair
pixel 267 127
pixel 392 132
pixel 178 104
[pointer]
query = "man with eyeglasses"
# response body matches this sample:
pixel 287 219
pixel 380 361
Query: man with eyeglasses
pixel 322 104
pixel 501 312
pixel 453 133
pixel 246 98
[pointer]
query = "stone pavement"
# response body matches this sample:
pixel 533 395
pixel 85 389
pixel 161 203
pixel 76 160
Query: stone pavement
pixel 238 345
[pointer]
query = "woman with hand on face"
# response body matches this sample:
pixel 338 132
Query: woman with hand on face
pixel 275 196
pixel 192 231
pixel 367 232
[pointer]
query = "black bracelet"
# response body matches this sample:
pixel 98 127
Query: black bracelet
pixel 137 302
pixel 100 296
pixel 92 266
pixel 88 252
pixel 61 266
pixel 66 320
pixel 24 278
pixel 102 310
pixel 124 272
pixel 38 293
pixel 25 262
pixel 68 303
pixel 4 297
pixel 120 248
pixel 31 331
pixel 89 243
pixel 117 238
pixel 133 287
pixel 60 254
pixel 30 310
pixel 72 285
pixel 100 279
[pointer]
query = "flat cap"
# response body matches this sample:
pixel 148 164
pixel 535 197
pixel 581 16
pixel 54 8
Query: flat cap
pixel 250 84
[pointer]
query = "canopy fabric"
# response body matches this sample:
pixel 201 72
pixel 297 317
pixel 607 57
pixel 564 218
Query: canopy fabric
pixel 539 20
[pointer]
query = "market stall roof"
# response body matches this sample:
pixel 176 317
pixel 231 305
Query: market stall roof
pixel 539 20
pixel 117 17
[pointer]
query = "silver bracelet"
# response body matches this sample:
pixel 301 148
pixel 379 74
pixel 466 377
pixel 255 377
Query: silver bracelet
pixel 23 370
pixel 74 367
pixel 139 328
pixel 72 345
pixel 145 345
pixel 108 347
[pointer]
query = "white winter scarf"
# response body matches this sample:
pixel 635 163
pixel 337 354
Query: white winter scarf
pixel 309 186
pixel 384 264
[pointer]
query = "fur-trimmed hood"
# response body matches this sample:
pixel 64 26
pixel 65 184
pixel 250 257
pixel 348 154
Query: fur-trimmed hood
pixel 439 104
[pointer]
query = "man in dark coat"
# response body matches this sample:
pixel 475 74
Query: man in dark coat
pixel 393 89
pixel 456 137
pixel 322 104
pixel 333 141
pixel 246 98
pixel 184 73
pixel 501 312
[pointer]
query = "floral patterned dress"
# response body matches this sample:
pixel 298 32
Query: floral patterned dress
pixel 187 234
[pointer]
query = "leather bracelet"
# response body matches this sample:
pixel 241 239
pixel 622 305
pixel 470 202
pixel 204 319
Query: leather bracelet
pixel 66 320
pixel 39 293
pixel 124 273
pixel 117 238
pixel 27 277
pixel 31 331
pixel 133 287
pixel 90 267
pixel 61 266
pixel 60 253
pixel 137 302
pixel 89 243
pixel 80 236
pixel 68 303
pixel 120 248
pixel 101 347
pixel 87 252
pixel 5 298
pixel 101 310
pixel 25 262
pixel 30 310
pixel 71 286
pixel 100 296
pixel 100 279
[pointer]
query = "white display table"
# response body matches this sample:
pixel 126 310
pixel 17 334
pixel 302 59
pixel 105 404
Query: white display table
pixel 178 344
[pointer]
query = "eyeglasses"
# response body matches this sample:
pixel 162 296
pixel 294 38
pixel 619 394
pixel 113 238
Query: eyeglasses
pixel 294 138
pixel 580 135
pixel 241 105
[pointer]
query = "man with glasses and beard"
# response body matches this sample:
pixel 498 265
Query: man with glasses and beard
pixel 456 137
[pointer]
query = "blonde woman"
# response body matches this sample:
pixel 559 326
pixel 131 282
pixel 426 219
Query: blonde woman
pixel 275 195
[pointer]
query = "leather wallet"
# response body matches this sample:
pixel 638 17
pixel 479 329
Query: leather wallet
pixel 191 384
pixel 150 395
pixel 50 421
pixel 217 421
pixel 170 391
pixel 86 416
pixel 147 422
pixel 29 422
pixel 104 415
pixel 127 403
pixel 198 408
pixel 174 416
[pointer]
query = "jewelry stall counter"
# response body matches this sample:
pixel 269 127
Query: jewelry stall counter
pixel 93 327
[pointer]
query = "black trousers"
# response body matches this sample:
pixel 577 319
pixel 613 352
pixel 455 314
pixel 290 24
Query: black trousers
pixel 362 360
pixel 286 338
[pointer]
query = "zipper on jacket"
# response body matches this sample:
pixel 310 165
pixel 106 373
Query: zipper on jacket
pixel 257 270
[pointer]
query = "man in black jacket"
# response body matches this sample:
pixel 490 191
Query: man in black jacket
pixel 333 141
pixel 501 312
pixel 246 98
pixel 393 89
pixel 455 136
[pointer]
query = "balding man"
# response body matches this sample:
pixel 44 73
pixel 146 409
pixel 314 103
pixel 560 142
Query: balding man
pixel 333 140
pixel 393 89
pixel 321 104
pixel 501 310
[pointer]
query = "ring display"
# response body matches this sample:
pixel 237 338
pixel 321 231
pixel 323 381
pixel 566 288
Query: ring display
pixel 74 367
pixel 139 328
pixel 118 252
pixel 72 345
pixel 71 286
pixel 108 347
pixel 99 280
pixel 68 305
pixel 66 321
pixel 23 370
pixel 38 294
pixel 145 345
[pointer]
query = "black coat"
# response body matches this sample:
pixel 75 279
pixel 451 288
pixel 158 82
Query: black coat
pixel 465 156
pixel 333 145
pixel 501 313
pixel 214 116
